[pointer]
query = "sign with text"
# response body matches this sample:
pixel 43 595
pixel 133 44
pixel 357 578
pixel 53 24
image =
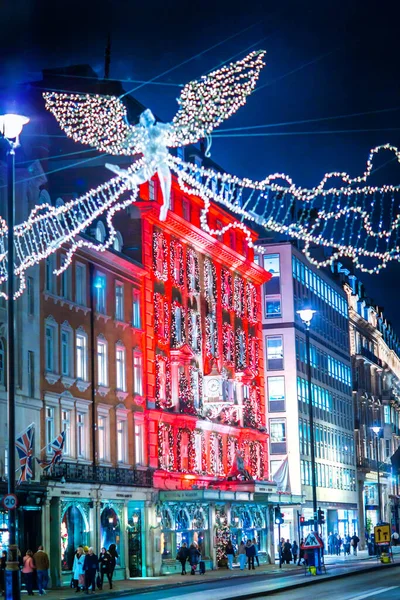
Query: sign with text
pixel 10 501
pixel 382 534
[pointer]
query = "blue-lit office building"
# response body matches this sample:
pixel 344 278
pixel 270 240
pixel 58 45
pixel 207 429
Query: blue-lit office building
pixel 297 284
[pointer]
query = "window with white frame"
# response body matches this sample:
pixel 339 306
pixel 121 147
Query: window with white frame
pixel 49 428
pixel 118 242
pixel 81 356
pixel 100 285
pixel 66 366
pixel 65 291
pixel 49 274
pixel 119 301
pixel 139 443
pixel 102 362
pixel 80 284
pixel 136 319
pixel 277 429
pixel 50 347
pixel 120 359
pixel 122 441
pixel 152 189
pixel 137 373
pixel 102 437
pixel 276 393
pixel 2 362
pixel 275 353
pixel 81 434
pixel 66 427
pixel 100 233
pixel 30 290
pixel 31 373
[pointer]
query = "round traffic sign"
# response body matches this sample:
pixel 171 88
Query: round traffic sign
pixel 10 501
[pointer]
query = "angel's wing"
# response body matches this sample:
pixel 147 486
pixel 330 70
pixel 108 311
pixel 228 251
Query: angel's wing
pixel 98 121
pixel 204 104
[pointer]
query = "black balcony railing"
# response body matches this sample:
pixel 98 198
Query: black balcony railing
pixel 369 464
pixel 366 352
pixel 108 475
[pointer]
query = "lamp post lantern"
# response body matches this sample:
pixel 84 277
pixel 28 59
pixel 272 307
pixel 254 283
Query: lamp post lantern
pixel 10 128
pixel 377 431
pixel 306 316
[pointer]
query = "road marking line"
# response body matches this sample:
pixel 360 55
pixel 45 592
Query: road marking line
pixel 376 592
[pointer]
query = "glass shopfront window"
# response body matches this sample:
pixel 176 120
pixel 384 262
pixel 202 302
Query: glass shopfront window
pixel 110 530
pixel 248 524
pixel 74 533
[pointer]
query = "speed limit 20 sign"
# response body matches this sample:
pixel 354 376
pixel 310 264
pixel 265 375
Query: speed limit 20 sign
pixel 10 501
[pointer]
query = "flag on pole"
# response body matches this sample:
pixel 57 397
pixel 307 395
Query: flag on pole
pixel 25 444
pixel 57 446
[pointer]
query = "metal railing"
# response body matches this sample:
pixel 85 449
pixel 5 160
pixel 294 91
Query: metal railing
pixel 76 473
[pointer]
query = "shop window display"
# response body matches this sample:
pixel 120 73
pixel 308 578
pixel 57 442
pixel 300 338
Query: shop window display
pixel 74 532
pixel 110 530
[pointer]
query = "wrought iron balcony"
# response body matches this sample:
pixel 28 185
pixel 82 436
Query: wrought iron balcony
pixel 370 356
pixel 75 473
pixel 369 464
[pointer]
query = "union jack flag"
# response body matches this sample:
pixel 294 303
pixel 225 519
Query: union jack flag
pixel 25 443
pixel 57 446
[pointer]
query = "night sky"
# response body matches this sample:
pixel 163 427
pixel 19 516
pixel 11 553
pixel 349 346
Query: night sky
pixel 324 59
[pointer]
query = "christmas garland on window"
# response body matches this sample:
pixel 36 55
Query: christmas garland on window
pixel 159 240
pixel 240 350
pixel 175 341
pixel 194 342
pixel 161 315
pixel 252 302
pixel 167 463
pixel 222 532
pixel 203 458
pixel 238 297
pixel 191 457
pixel 257 460
pixel 252 409
pixel 186 403
pixel 211 336
pixel 228 343
pixel 233 446
pixel 176 254
pixel 229 415
pixel 253 354
pixel 226 289
pixel 216 468
pixel 192 373
pixel 193 278
pixel 210 282
pixel 166 402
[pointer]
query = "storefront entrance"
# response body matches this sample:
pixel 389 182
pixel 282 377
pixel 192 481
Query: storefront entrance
pixel 135 545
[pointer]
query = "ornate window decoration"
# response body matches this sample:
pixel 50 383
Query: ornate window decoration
pixel 210 281
pixel 223 532
pixel 252 409
pixel 196 384
pixel 216 454
pixel 226 289
pixel 256 460
pixel 228 343
pixel 178 336
pixel 253 354
pixel 192 272
pixel 233 446
pixel 183 451
pixel 211 335
pixel 166 458
pixel 166 518
pixel 181 520
pixel 258 517
pixel 176 261
pixel 161 318
pixel 163 382
pixel 194 331
pixel 241 350
pixel 186 402
pixel 238 296
pixel 199 451
pixel 252 302
pixel 160 256
pixel 199 520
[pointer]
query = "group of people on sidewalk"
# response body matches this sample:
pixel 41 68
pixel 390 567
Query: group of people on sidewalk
pixel 335 543
pixel 246 552
pixel 289 552
pixel 89 569
pixel 32 562
pixel 192 555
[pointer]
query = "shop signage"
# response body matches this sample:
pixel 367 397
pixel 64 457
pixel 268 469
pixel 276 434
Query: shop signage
pixel 183 495
pixel 10 501
pixel 266 489
pixel 382 534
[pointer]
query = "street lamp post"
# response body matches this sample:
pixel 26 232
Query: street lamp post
pixel 10 127
pixel 306 316
pixel 377 431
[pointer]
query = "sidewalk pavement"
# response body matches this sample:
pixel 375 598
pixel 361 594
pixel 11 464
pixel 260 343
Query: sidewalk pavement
pixel 264 573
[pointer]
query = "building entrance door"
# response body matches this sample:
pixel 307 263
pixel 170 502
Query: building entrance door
pixel 135 546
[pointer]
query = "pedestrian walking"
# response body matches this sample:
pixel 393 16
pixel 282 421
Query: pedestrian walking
pixel 105 563
pixel 287 552
pixel 77 570
pixel 230 554
pixel 42 565
pixel 182 556
pixel 346 545
pixel 301 553
pixel 256 549
pixel 250 553
pixel 194 558
pixel 242 555
pixel 27 570
pixel 112 549
pixel 331 543
pixel 355 540
pixel 3 562
pixel 395 538
pixel 90 568
pixel 295 551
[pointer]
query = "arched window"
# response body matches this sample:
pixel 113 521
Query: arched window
pixel 2 363
pixel 110 529
pixel 74 531
pixel 182 520
pixel 118 242
pixel 100 233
